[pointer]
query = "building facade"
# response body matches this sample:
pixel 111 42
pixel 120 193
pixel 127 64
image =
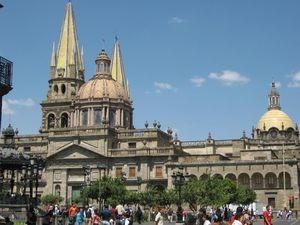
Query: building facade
pixel 87 131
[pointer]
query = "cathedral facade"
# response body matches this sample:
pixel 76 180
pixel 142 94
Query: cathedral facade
pixel 87 131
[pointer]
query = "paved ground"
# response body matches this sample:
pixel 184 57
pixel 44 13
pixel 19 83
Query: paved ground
pixel 257 222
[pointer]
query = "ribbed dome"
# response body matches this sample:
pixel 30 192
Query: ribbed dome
pixel 102 86
pixel 275 118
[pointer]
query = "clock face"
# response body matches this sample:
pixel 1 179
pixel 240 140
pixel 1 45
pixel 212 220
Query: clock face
pixel 273 134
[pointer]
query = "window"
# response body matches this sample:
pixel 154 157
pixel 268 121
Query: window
pixel 118 171
pixel 271 180
pixel 57 190
pixel 64 120
pixel 51 121
pixel 112 118
pixel 132 172
pixel 158 171
pixel 260 157
pixel 132 145
pixel 63 89
pixel 271 202
pixel 97 116
pixel 27 149
pixel 84 118
pixel 55 88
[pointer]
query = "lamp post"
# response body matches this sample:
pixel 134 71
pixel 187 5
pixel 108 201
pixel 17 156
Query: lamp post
pixel 283 170
pixel 179 179
pixel 87 180
pixel 100 167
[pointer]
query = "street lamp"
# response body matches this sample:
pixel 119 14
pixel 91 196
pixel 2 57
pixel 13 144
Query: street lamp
pixel 179 179
pixel 283 170
pixel 87 180
pixel 100 167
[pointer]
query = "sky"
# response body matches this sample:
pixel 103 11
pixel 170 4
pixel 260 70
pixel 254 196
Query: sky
pixel 195 66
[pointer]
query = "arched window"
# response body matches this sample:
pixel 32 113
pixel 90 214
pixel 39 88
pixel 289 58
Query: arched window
pixel 63 89
pixel 244 179
pixel 193 177
pixel 257 181
pixel 97 116
pixel 64 120
pixel 57 190
pixel 84 118
pixel 112 118
pixel 287 180
pixel 218 176
pixel 231 176
pixel 51 121
pixel 204 176
pixel 271 180
pixel 55 88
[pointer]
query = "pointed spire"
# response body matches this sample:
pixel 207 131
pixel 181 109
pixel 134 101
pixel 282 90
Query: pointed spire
pixel 274 98
pixel 117 69
pixel 68 48
pixel 82 59
pixel 53 56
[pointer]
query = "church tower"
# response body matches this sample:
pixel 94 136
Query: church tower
pixel 66 76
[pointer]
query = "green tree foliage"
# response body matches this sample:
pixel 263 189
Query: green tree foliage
pixel 108 188
pixel 244 195
pixel 51 199
pixel 216 192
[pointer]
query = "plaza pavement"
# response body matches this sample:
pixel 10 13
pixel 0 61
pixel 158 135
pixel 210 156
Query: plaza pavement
pixel 257 222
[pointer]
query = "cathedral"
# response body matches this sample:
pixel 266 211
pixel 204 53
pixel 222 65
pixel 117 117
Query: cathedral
pixel 87 131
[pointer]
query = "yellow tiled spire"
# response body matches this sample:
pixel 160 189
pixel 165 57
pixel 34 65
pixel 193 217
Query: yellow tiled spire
pixel 117 69
pixel 68 49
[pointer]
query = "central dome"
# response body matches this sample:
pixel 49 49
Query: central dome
pixel 102 86
pixel 275 118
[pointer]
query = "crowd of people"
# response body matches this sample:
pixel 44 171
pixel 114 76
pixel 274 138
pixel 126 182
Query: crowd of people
pixel 89 215
pixel 123 215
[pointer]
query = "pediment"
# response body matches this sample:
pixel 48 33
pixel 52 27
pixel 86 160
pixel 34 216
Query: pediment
pixel 75 151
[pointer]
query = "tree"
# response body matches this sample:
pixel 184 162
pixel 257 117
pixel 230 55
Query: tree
pixel 244 195
pixel 107 188
pixel 51 199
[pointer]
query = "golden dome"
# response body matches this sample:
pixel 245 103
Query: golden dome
pixel 275 118
pixel 102 86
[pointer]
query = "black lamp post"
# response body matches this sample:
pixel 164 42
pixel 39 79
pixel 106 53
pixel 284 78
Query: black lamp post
pixel 87 178
pixel 179 179
pixel 100 167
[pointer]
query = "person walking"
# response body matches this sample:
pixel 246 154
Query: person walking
pixel 139 215
pixel 79 217
pixel 159 219
pixel 267 216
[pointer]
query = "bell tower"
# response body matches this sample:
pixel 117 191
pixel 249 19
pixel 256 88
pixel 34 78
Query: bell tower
pixel 66 76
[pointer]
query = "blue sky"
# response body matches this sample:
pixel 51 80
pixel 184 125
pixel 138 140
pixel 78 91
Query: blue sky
pixel 196 66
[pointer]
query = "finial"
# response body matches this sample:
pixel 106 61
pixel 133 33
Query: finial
pixel 158 125
pixel 176 137
pixel 116 38
pixel 244 134
pixel 103 43
pixel 209 136
pixel 264 126
pixel 154 124
pixel 146 124
pixel 282 126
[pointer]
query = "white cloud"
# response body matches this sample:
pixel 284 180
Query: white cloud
pixel 229 77
pixel 277 84
pixel 6 110
pixel 295 83
pixel 176 20
pixel 197 81
pixel 7 105
pixel 21 102
pixel 159 87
